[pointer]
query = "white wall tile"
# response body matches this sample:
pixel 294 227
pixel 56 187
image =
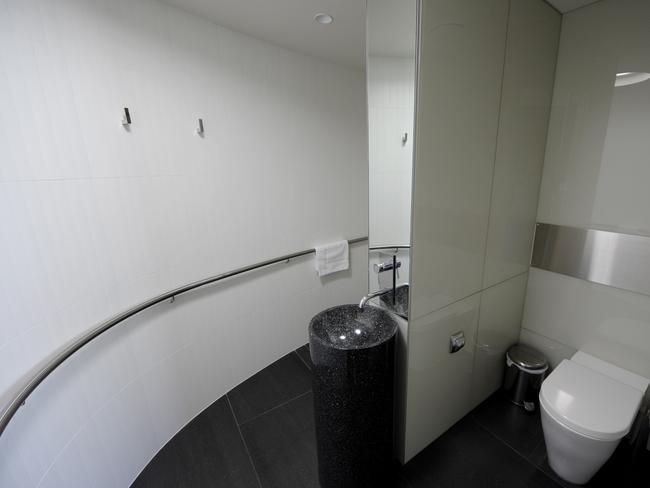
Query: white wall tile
pixel 595 165
pixel 483 104
pixel 52 479
pixel 498 329
pixel 552 350
pixel 391 106
pixel 123 415
pixel 82 463
pixel 461 63
pixel 610 323
pixel 595 175
pixel 16 470
pixel 95 218
pixel 439 383
pixel 533 26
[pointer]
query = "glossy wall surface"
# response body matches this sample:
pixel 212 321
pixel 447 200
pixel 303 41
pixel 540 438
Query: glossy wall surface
pixel 391 32
pixel 596 174
pixel 95 218
pixel 482 114
pixel 391 98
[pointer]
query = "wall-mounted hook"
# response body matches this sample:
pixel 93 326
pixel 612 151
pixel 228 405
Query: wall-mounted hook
pixel 200 130
pixel 126 117
pixel 405 138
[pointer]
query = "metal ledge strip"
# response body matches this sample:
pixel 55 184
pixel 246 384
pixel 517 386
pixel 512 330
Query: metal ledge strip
pixel 608 258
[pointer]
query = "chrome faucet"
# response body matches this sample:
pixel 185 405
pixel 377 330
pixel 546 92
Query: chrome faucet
pixel 372 295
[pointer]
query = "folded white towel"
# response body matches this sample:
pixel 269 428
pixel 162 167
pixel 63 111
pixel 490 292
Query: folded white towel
pixel 331 258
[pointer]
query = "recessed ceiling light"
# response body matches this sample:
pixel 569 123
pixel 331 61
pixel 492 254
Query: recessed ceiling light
pixel 323 19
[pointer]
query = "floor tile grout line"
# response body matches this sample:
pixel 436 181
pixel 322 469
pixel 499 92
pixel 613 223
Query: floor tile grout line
pixel 512 448
pixel 301 358
pixel 274 408
pixel 500 439
pixel 541 441
pixel 241 435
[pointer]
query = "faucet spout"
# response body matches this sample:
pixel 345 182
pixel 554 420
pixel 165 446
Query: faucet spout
pixel 375 294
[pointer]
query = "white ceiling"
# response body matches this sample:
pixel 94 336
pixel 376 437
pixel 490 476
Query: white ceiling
pixel 391 27
pixel 568 5
pixel 290 24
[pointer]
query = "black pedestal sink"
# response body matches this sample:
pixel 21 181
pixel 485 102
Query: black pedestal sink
pixel 353 352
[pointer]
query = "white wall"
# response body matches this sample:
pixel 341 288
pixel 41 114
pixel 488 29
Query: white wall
pixel 391 106
pixel 483 105
pixel 391 102
pixel 95 218
pixel 596 174
pixel 564 314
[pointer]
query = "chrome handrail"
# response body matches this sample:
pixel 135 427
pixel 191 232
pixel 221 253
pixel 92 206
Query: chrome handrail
pixel 29 386
pixel 379 248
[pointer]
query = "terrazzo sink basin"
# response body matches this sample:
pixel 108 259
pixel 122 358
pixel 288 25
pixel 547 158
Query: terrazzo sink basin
pixel 353 352
pixel 401 305
pixel 349 327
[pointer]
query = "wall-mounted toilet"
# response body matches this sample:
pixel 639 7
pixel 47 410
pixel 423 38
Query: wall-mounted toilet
pixel 587 407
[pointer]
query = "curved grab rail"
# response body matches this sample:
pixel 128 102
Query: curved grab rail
pixel 19 399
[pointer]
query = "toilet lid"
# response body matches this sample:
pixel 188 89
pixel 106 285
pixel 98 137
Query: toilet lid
pixel 588 402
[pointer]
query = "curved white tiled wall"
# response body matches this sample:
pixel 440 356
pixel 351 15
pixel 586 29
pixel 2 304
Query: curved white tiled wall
pixel 96 219
pixel 100 418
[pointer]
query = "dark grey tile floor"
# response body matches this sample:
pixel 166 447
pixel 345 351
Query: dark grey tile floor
pixel 261 434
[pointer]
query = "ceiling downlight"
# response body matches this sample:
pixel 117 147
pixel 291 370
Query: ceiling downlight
pixel 323 19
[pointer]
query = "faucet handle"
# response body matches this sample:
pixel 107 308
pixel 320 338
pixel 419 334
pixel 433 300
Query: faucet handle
pixel 386 266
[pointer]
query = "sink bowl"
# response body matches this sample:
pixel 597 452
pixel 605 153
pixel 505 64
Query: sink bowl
pixel 349 327
pixel 353 355
pixel 401 305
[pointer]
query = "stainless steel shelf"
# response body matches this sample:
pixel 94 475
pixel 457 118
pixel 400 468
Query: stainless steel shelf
pixel 609 258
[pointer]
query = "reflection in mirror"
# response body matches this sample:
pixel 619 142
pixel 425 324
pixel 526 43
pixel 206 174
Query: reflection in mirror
pixel 625 150
pixel 390 74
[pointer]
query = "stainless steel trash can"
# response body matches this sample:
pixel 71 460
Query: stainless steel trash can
pixel 526 368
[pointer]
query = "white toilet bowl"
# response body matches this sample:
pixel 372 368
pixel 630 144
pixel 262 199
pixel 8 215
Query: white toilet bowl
pixel 587 407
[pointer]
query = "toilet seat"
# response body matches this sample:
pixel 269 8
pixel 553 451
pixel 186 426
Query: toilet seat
pixel 588 402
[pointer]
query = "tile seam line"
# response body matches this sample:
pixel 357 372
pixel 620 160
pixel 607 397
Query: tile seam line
pixel 89 178
pixel 470 295
pixel 548 338
pixel 96 412
pixel 538 468
pixel 301 359
pixel 495 155
pixel 241 436
pixel 273 408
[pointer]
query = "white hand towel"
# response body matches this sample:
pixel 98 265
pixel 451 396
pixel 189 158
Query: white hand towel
pixel 331 258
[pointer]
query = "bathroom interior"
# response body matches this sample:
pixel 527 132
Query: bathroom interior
pixel 335 243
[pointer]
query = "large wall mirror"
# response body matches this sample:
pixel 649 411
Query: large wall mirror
pixel 390 72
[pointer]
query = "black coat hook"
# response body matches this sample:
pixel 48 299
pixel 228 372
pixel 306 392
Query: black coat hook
pixel 126 117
